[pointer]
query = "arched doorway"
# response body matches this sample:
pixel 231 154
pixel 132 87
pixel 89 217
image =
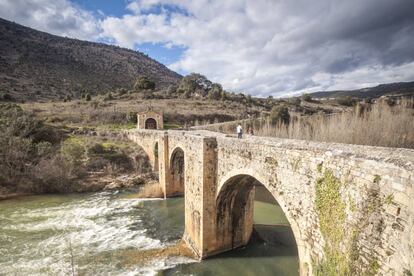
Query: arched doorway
pixel 177 172
pixel 238 223
pixel 150 123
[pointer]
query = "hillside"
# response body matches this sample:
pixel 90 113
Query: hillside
pixel 35 65
pixel 399 88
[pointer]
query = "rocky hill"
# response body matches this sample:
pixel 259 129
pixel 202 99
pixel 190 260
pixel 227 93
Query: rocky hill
pixel 398 88
pixel 37 66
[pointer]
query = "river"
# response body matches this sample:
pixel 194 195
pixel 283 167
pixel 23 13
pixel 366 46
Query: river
pixel 93 234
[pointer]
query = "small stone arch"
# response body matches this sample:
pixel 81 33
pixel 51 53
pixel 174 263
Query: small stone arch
pixel 177 170
pixel 234 214
pixel 150 123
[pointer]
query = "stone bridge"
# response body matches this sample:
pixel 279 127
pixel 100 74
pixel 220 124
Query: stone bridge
pixel 350 207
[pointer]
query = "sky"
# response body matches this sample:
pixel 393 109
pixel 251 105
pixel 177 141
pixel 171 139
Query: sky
pixel 259 47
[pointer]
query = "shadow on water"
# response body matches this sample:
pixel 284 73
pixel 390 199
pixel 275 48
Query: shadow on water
pixel 259 257
pixel 271 250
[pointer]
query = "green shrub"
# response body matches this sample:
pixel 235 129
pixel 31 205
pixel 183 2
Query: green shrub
pixel 144 83
pixel 122 91
pixel 346 101
pixel 279 113
pixel 131 117
pixel 108 97
pixel 294 101
pixel 97 148
pixel 74 151
pixel 215 92
pixel 306 97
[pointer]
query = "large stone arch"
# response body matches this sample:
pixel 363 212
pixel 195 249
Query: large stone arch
pixel 235 185
pixel 177 172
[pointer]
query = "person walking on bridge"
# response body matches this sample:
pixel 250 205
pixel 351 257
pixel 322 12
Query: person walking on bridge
pixel 239 130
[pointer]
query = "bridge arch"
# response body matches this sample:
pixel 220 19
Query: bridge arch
pixel 177 170
pixel 234 212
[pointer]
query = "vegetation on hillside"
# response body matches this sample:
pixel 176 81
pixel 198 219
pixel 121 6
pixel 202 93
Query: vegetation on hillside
pixel 37 158
pixel 36 66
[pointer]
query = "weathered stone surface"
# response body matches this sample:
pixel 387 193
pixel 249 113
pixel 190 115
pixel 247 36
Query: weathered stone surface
pixel 219 177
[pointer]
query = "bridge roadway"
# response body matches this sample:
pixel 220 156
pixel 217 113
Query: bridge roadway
pixel 371 226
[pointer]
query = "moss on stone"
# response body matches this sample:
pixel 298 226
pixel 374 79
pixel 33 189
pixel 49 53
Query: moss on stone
pixel 295 164
pixel 331 213
pixel 377 179
pixel 319 167
pixel 373 267
pixel 389 199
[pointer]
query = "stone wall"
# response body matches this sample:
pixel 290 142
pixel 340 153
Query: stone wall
pixel 350 207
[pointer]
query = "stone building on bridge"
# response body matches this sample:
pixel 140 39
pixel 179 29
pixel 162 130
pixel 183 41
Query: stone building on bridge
pixel 150 120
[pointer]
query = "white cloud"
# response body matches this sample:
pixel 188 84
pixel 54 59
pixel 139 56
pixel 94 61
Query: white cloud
pixel 261 47
pixel 59 17
pixel 279 47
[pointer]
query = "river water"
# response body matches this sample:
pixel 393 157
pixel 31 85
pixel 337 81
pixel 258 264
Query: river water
pixel 93 234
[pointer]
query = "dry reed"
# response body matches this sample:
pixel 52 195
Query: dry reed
pixel 151 189
pixel 377 125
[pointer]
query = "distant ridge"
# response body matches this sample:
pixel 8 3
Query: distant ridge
pixel 36 65
pixel 397 88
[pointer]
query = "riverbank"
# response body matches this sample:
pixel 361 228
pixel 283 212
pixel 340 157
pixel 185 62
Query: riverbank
pixel 96 182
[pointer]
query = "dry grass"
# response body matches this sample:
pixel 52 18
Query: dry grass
pixel 120 113
pixel 378 125
pixel 143 257
pixel 150 189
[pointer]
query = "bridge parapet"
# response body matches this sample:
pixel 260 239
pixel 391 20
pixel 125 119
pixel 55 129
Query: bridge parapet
pixel 371 186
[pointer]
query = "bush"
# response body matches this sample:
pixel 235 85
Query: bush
pixel 108 97
pixel 96 149
pixel 215 92
pixel 6 97
pixel 67 98
pixel 74 152
pixel 294 101
pixel 88 97
pixel 122 91
pixel 144 83
pixel 306 97
pixel 171 90
pixel 346 101
pixel 132 117
pixel 194 83
pixel 278 114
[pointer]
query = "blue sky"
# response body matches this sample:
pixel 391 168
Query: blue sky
pixel 259 47
pixel 158 51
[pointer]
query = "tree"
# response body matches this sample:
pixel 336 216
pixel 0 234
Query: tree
pixel 68 98
pixel 172 89
pixel 215 92
pixel 145 83
pixel 279 113
pixel 346 101
pixel 194 82
pixel 223 95
pixel 88 97
pixel 306 97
